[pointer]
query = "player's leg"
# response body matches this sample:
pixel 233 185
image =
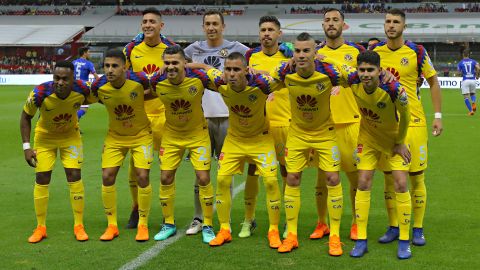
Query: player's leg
pixel 321 193
pixel 250 201
pixel 466 96
pixel 132 184
pixel 404 209
pixel 390 201
pixel 473 96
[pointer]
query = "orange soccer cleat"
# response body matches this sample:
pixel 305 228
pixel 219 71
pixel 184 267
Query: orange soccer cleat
pixel 274 239
pixel 289 243
pixel 110 233
pixel 335 246
pixel 38 234
pixel 320 231
pixel 142 233
pixel 80 233
pixel 223 236
pixel 354 232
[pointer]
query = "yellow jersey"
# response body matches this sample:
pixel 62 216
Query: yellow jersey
pixel 407 63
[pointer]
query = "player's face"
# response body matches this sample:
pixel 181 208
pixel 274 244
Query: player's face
pixel 369 75
pixel 213 27
pixel 62 81
pixel 333 24
pixel 174 65
pixel 269 34
pixel 151 25
pixel 114 69
pixel 304 53
pixel 394 26
pixel 235 74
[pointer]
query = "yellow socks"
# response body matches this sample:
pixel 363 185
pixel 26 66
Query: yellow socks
pixel 40 200
pixel 109 197
pixel 206 201
pixel 362 207
pixel 224 200
pixel 353 180
pixel 404 208
pixel 167 202
pixel 419 199
pixel 273 201
pixel 77 195
pixel 335 208
pixel 250 196
pixel 321 193
pixel 292 207
pixel 144 204
pixel 390 201
pixel 132 182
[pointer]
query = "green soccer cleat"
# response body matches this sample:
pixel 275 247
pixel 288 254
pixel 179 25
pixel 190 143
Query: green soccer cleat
pixel 247 228
pixel 207 234
pixel 166 231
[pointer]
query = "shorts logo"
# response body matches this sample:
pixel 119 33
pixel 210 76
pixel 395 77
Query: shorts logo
pixel 404 61
pixel 252 98
pixel 394 72
pixel 150 68
pixel 348 57
pixel 381 105
pixel 306 100
pixel 76 106
pixel 369 114
pixel 161 151
pixel 192 90
pixel 180 103
pixel 124 112
pixel 241 110
pixel 220 157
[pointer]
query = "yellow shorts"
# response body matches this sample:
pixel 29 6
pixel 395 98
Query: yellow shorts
pixel 297 152
pixel 258 150
pixel 173 148
pixel 279 135
pixel 157 123
pixel 367 158
pixel 115 151
pixel 70 148
pixel 417 138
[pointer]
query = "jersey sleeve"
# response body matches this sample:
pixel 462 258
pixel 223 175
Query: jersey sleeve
pixel 401 103
pixel 92 68
pixel 30 108
pixel 267 84
pixel 215 79
pixel 139 77
pixel 239 47
pixel 127 50
pixel 155 79
pixel 280 72
pixel 426 66
pixel 189 51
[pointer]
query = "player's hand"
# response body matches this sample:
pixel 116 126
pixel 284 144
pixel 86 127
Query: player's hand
pixel 437 127
pixel 291 65
pixel 320 57
pixel 388 77
pixel 270 97
pixel 30 157
pixel 335 91
pixel 402 150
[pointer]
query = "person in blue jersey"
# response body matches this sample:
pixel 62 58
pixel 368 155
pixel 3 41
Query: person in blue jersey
pixel 82 70
pixel 470 70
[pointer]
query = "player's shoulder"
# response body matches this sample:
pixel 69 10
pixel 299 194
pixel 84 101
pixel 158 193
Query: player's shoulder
pixel 81 87
pixel 326 68
pixel 251 52
pixel 379 46
pixel 41 92
pixel 417 48
pixel 97 84
pixel 139 77
pixel 196 73
pixel 392 88
pixel 167 41
pixel 356 46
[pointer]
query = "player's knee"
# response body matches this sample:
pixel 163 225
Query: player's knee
pixel 43 178
pixel 333 179
pixel 203 180
pixel 270 183
pixel 73 175
pixel 108 178
pixel 143 180
pixel 293 179
pixel 167 178
pixel 224 182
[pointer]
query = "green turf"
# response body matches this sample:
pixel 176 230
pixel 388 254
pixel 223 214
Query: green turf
pixel 451 223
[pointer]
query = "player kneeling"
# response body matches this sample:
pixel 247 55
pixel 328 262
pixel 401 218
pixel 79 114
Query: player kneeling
pixel 381 138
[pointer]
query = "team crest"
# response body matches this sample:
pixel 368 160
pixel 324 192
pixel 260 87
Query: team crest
pixel 320 87
pixel 192 90
pixel 404 61
pixel 348 57
pixel 381 105
pixel 223 52
pixel 252 98
pixel 76 106
pixel 133 95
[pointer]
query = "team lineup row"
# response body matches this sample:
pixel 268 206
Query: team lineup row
pixel 322 106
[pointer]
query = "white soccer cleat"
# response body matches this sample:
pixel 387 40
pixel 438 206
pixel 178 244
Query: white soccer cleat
pixel 195 227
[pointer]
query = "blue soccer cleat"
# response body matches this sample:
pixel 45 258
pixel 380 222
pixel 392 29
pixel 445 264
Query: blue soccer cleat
pixel 166 231
pixel 207 234
pixel 404 251
pixel 359 249
pixel 418 237
pixel 390 236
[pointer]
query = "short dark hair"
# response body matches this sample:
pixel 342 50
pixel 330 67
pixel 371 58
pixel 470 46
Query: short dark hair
pixel 83 50
pixel 396 12
pixel 116 53
pixel 369 57
pixel 271 19
pixel 176 49
pixel 373 39
pixel 334 9
pixel 152 10
pixel 237 55
pixel 304 37
pixel 65 64
pixel 213 12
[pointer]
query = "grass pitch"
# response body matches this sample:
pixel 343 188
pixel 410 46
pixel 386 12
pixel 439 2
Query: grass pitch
pixel 451 224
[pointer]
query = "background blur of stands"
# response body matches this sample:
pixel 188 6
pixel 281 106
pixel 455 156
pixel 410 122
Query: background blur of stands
pixel 36 33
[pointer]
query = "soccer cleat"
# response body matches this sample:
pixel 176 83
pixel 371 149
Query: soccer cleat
pixel 142 233
pixel 335 246
pixel 38 234
pixel 223 236
pixel 320 231
pixel 390 236
pixel 133 220
pixel 110 233
pixel 207 234
pixel 359 249
pixel 247 228
pixel 354 232
pixel 80 233
pixel 166 231
pixel 418 238
pixel 474 106
pixel 471 113
pixel 274 239
pixel 288 244
pixel 195 227
pixel 404 251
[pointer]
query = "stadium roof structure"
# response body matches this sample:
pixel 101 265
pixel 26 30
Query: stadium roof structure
pixel 38 35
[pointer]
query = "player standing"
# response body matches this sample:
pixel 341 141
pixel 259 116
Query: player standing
pixel 408 61
pixel 83 68
pixel 470 70
pixel 56 130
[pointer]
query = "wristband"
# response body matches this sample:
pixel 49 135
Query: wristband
pixel 438 115
pixel 26 146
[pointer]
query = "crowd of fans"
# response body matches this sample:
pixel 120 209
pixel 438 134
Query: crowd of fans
pixel 25 65
pixel 381 7
pixel 470 7
pixel 180 11
pixel 35 11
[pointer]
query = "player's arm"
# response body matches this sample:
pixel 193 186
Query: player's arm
pixel 403 109
pixel 477 71
pixel 25 130
pixel 203 66
pixel 435 92
pixel 214 79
